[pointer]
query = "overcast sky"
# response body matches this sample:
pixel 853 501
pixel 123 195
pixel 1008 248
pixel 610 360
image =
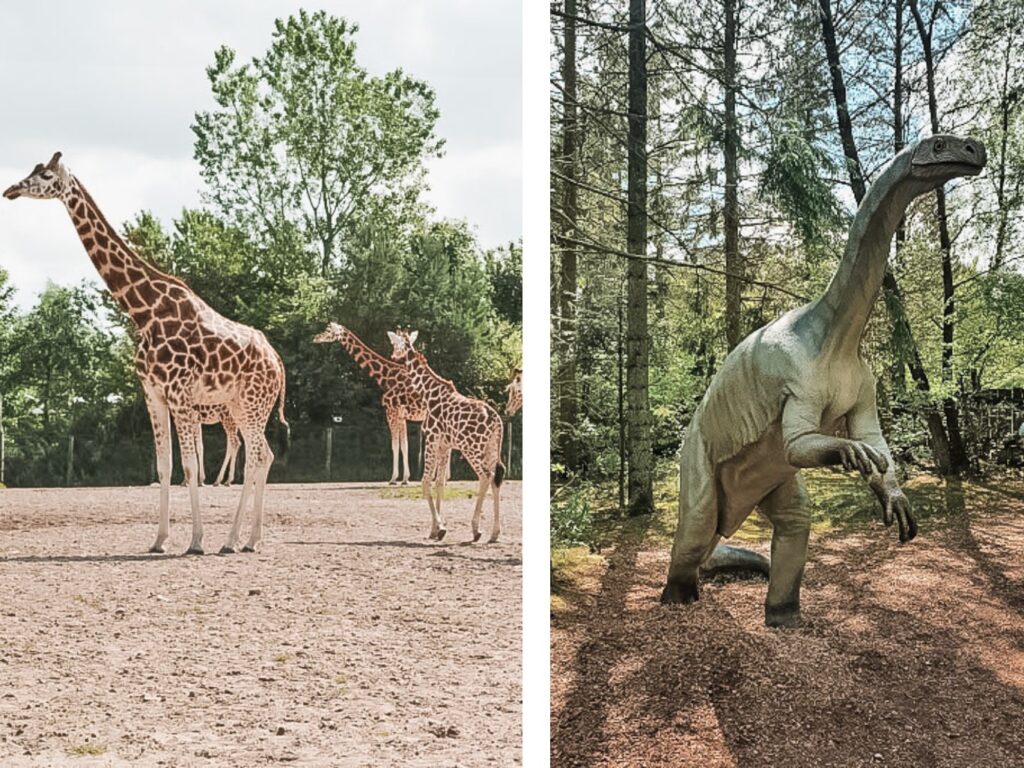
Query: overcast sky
pixel 115 85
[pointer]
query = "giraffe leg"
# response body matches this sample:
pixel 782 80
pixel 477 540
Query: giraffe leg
pixel 199 454
pixel 160 418
pixel 248 482
pixel 263 458
pixel 224 477
pixel 439 483
pixel 186 422
pixel 430 469
pixel 395 446
pixel 235 443
pixel 478 510
pixel 496 523
pixel 404 447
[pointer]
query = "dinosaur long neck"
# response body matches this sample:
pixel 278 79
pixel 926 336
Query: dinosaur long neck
pixel 377 366
pixel 136 285
pixel 845 307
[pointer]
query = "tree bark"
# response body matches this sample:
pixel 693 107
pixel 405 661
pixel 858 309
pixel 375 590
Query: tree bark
pixel 957 451
pixel 730 213
pixel 567 279
pixel 638 415
pixel 891 289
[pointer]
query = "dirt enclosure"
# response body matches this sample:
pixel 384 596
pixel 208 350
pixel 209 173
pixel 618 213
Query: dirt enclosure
pixel 911 655
pixel 350 639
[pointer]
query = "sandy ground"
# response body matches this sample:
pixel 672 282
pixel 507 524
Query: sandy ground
pixel 349 640
pixel 912 656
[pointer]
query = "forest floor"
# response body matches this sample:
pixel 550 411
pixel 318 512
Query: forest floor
pixel 910 655
pixel 350 639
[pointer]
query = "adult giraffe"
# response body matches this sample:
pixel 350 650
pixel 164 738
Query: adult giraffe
pixel 402 402
pixel 188 356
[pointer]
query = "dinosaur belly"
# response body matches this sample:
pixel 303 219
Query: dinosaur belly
pixel 749 476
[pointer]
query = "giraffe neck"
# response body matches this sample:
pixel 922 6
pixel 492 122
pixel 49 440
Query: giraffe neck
pixel 135 284
pixel 426 381
pixel 377 366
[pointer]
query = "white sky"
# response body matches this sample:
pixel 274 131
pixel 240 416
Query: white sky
pixel 115 85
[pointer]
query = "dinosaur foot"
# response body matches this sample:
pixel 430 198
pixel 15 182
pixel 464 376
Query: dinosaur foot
pixel 679 592
pixel 783 616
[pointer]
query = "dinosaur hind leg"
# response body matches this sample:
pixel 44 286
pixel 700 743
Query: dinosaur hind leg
pixel 788 509
pixel 696 531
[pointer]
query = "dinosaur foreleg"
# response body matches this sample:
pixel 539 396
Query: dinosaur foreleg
pixel 862 421
pixel 788 510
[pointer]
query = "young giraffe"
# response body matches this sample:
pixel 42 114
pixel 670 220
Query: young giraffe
pixel 402 403
pixel 454 421
pixel 515 394
pixel 188 356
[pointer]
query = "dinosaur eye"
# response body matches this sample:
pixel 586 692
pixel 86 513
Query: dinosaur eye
pixel 940 145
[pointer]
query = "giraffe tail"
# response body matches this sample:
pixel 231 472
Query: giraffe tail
pixel 284 422
pixel 499 474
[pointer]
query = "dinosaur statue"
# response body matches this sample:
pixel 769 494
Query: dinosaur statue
pixel 776 403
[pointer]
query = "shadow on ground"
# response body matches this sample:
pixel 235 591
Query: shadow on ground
pixel 911 656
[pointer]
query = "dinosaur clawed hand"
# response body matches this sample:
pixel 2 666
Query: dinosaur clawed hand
pixel 860 456
pixel 896 506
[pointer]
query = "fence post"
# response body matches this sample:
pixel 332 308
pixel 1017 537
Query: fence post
pixel 71 460
pixel 329 440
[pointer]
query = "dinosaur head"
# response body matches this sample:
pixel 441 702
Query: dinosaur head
pixel 401 345
pixel 45 181
pixel 942 157
pixel 333 332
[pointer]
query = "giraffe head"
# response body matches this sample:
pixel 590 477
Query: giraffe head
pixel 45 181
pixel 333 332
pixel 515 393
pixel 401 345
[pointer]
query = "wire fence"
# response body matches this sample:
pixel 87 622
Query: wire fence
pixel 315 453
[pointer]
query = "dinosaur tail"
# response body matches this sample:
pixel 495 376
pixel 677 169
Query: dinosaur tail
pixel 727 559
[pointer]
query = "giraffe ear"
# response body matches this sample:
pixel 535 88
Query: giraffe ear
pixel 394 338
pixel 54 160
pixel 412 336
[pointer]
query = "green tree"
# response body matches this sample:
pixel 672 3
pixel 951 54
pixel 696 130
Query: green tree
pixel 304 138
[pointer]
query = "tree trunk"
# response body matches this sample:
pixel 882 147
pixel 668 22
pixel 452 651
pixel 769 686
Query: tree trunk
pixel 898 142
pixel 893 294
pixel 957 452
pixel 638 415
pixel 730 212
pixel 621 402
pixel 567 279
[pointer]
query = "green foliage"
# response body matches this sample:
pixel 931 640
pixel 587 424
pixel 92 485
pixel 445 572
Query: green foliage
pixel 303 140
pixel 572 520
pixel 313 169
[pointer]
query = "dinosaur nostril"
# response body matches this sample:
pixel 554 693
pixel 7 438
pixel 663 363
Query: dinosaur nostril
pixel 970 149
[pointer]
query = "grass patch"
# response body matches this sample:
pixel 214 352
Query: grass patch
pixel 84 750
pixel 415 492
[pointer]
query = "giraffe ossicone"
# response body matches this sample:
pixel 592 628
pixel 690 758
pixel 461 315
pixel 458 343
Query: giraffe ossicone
pixel 453 422
pixel 188 356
